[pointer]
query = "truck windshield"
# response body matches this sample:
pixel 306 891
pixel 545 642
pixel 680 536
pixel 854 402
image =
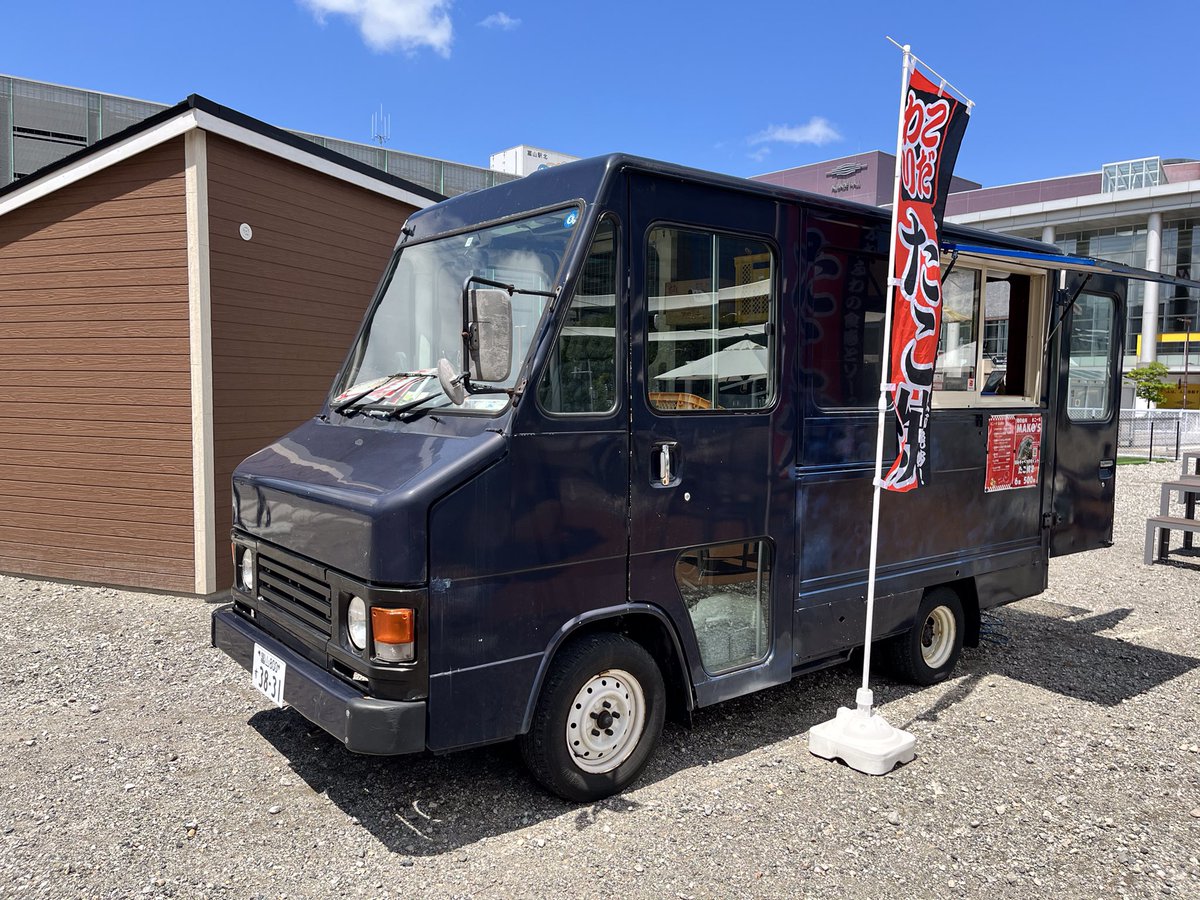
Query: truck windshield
pixel 418 320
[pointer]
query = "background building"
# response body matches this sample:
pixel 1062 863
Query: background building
pixel 524 160
pixel 862 178
pixel 172 299
pixel 41 123
pixel 1143 213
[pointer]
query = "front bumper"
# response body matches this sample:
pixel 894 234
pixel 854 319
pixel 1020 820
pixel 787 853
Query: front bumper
pixel 363 724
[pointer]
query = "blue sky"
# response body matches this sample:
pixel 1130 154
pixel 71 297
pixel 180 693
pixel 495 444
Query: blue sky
pixel 743 88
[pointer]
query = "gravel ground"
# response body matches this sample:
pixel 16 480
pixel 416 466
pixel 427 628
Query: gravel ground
pixel 1062 760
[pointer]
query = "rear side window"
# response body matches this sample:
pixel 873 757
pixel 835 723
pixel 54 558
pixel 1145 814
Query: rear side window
pixel 841 311
pixel 1090 366
pixel 710 336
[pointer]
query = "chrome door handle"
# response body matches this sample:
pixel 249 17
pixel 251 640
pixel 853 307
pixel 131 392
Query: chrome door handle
pixel 665 451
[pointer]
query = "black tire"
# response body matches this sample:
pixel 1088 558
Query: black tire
pixel 589 661
pixel 926 653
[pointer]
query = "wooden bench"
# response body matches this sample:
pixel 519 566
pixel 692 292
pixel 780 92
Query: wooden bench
pixel 1191 462
pixel 1188 488
pixel 1162 526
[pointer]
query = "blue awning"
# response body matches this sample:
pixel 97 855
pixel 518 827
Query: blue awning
pixel 1065 261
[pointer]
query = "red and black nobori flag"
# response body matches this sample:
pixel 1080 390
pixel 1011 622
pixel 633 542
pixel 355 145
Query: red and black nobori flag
pixel 933 127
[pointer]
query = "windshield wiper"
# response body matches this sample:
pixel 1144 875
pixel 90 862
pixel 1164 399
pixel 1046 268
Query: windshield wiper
pixel 392 412
pixel 353 401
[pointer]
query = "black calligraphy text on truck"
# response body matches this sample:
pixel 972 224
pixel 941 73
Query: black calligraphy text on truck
pixel 663 501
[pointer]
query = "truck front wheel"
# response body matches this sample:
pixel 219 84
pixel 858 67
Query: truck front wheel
pixel 927 652
pixel 597 720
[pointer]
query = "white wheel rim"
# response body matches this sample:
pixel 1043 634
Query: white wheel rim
pixel 937 637
pixel 606 720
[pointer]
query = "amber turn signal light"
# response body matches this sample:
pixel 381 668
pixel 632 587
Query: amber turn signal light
pixel 394 631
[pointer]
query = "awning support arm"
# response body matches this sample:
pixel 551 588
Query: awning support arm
pixel 950 268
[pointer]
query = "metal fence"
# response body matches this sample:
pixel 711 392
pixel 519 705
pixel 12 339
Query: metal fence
pixel 1158 432
pixel 42 123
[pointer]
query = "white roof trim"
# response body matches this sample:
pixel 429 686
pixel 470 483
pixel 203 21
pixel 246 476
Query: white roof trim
pixel 181 124
pixel 217 125
pixel 89 165
pixel 1010 184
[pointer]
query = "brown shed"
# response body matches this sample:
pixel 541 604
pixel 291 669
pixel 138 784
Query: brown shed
pixel 171 300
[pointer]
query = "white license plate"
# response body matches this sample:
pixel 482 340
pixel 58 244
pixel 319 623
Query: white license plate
pixel 268 674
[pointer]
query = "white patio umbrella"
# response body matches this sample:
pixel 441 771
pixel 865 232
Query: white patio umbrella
pixel 962 355
pixel 745 359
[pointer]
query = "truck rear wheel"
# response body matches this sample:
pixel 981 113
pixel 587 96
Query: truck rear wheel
pixel 597 720
pixel 928 652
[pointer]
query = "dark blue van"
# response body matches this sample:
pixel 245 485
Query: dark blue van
pixel 603 449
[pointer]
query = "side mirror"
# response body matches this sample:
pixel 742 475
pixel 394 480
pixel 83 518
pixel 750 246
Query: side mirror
pixel 489 325
pixel 451 382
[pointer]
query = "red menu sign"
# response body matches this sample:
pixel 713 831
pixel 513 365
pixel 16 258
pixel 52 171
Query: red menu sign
pixel 1014 455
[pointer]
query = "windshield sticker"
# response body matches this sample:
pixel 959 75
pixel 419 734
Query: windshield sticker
pixel 571 219
pixel 398 389
pixel 360 388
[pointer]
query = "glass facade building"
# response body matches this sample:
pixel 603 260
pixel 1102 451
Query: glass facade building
pixel 42 123
pixel 1178 308
pixel 1143 213
pixel 1127 245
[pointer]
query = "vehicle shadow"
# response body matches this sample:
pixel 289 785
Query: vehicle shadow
pixel 429 805
pixel 1070 656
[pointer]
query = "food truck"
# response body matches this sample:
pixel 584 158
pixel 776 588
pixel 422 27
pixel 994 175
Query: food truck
pixel 603 451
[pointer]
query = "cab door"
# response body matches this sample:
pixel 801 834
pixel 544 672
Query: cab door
pixel 711 497
pixel 1090 344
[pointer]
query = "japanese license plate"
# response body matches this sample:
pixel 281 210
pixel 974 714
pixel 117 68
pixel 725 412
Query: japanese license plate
pixel 268 674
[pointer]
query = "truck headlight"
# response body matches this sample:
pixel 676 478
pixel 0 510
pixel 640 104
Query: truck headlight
pixel 356 622
pixel 246 571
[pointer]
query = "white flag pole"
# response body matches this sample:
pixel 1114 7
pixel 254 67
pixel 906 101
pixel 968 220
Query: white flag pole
pixel 865 699
pixel 914 59
pixel 861 738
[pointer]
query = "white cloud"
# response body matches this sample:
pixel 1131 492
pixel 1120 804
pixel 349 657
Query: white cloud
pixel 500 20
pixel 391 24
pixel 817 130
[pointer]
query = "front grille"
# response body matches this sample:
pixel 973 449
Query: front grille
pixel 284 588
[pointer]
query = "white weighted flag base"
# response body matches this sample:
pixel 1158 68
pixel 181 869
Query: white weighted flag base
pixel 862 739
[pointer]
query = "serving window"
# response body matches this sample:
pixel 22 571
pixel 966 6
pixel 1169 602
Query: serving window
pixel 990 347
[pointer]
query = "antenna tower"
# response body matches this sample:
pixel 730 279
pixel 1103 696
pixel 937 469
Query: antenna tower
pixel 381 127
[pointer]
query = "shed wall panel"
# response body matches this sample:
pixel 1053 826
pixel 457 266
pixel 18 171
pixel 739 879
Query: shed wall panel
pixel 285 304
pixel 95 422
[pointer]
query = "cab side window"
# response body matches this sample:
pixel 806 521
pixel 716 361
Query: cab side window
pixel 710 342
pixel 581 374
